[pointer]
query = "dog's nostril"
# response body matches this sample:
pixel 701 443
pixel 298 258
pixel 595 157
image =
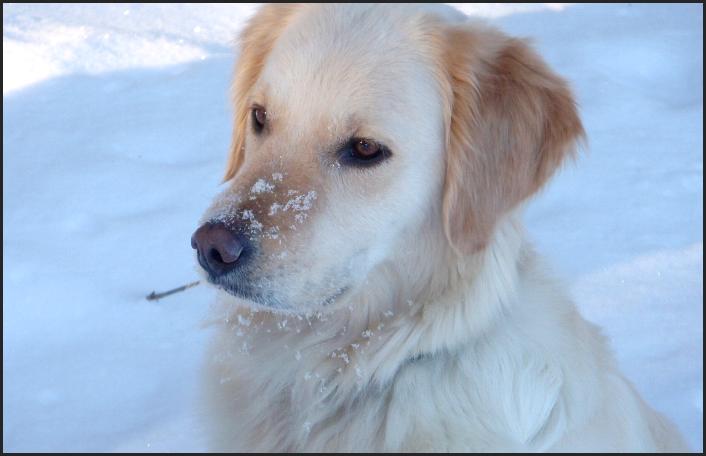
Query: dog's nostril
pixel 215 256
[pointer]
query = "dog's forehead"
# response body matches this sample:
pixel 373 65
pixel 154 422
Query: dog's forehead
pixel 343 62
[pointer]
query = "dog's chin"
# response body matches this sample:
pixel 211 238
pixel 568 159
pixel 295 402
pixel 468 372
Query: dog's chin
pixel 245 296
pixel 262 301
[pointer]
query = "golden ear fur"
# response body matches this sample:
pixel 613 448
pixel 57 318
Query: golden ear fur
pixel 511 122
pixel 256 41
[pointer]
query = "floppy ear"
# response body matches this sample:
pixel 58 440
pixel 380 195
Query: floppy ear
pixel 256 41
pixel 511 122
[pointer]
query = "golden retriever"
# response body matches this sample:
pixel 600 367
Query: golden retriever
pixel 377 291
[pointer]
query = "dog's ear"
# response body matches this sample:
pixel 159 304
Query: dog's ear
pixel 256 41
pixel 510 123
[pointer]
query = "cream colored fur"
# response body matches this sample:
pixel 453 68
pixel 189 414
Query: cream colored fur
pixel 448 335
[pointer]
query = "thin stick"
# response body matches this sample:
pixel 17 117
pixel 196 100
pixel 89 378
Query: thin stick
pixel 154 296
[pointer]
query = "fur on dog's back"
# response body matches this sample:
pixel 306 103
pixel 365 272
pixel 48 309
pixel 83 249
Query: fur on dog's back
pixel 455 339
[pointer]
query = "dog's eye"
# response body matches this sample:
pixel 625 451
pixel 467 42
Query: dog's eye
pixel 259 117
pixel 363 152
pixel 366 149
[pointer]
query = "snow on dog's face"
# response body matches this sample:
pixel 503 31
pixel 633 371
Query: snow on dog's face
pixel 338 148
pixel 348 140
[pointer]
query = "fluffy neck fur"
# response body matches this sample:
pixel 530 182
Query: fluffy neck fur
pixel 294 377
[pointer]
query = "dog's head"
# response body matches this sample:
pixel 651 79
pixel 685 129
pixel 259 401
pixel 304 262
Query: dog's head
pixel 362 132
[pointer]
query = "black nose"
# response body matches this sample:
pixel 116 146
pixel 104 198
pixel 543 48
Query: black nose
pixel 218 247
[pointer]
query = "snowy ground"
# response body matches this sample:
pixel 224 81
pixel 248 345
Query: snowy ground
pixel 115 130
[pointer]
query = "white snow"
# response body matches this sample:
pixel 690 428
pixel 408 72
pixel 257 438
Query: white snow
pixel 243 321
pixel 262 186
pixel 301 202
pixel 116 126
pixel 274 208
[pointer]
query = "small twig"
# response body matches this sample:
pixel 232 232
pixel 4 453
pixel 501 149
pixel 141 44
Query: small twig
pixel 154 296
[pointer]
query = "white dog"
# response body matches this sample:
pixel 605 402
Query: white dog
pixel 378 293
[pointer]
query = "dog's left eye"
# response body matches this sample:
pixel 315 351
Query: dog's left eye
pixel 363 152
pixel 259 117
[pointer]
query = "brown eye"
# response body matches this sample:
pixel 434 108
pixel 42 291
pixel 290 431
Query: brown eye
pixel 259 117
pixel 366 149
pixel 362 153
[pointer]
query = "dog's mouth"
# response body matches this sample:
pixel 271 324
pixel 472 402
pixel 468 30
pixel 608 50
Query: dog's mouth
pixel 338 295
pixel 255 295
pixel 247 291
pixel 256 288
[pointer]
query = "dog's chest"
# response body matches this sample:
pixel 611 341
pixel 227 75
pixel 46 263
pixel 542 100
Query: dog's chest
pixel 481 401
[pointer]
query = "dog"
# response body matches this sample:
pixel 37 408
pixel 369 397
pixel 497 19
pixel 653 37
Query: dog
pixel 376 290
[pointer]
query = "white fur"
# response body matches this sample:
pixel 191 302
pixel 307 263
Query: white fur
pixel 428 350
pixel 528 375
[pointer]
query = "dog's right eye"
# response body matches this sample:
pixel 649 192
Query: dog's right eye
pixel 363 153
pixel 259 117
